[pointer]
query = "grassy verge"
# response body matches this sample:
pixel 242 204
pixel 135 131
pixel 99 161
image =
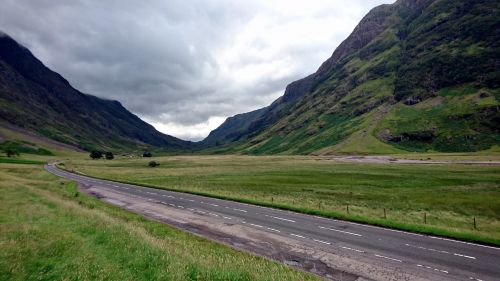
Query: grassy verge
pixel 450 196
pixel 50 231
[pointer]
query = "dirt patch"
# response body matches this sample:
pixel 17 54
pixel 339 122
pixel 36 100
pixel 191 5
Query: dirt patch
pixel 302 255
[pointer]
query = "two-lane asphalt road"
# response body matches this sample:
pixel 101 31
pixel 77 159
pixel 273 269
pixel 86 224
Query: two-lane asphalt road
pixel 437 258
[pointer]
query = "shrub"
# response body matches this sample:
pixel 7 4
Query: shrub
pixel 11 152
pixel 153 164
pixel 95 154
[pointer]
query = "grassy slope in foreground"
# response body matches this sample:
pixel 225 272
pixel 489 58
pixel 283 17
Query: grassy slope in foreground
pixel 49 231
pixel 450 195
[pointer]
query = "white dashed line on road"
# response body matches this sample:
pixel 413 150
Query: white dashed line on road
pixel 296 235
pixel 341 231
pixel 351 249
pixel 278 218
pixel 464 256
pixel 384 257
pixel 256 225
pixel 320 241
pixel 441 251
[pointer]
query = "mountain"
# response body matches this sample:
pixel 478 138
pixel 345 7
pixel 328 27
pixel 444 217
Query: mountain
pixel 36 99
pixel 416 75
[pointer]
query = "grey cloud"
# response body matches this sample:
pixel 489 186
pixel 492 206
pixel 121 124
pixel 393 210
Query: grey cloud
pixel 162 59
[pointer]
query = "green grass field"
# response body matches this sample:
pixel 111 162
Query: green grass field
pixel 451 196
pixel 49 231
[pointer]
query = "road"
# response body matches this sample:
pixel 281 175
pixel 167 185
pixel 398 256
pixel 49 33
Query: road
pixel 432 257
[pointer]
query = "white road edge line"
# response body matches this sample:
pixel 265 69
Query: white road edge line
pixel 435 269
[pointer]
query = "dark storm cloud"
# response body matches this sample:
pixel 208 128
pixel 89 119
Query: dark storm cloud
pixel 182 65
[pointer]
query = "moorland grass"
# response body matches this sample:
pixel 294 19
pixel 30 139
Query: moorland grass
pixel 451 196
pixel 49 231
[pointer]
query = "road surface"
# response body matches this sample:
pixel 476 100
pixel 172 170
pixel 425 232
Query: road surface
pixel 427 257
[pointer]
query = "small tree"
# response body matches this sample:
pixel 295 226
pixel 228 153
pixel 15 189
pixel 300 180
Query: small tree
pixel 153 164
pixel 147 154
pixel 109 155
pixel 95 154
pixel 11 152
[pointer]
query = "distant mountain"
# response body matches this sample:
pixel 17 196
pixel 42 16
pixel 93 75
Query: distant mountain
pixel 416 75
pixel 37 99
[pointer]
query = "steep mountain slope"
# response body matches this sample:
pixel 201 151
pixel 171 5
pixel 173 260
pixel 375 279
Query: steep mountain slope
pixel 414 75
pixel 35 98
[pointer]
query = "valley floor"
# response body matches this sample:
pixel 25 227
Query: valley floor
pixel 443 199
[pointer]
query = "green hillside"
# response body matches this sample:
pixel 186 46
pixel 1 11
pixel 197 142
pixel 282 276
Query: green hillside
pixel 35 99
pixel 412 76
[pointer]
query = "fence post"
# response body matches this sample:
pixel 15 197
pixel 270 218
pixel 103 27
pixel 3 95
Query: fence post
pixel 272 199
pixel 347 208
pixel 475 225
pixel 425 218
pixel 385 214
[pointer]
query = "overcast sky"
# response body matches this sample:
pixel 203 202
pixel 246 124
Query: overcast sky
pixel 183 65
